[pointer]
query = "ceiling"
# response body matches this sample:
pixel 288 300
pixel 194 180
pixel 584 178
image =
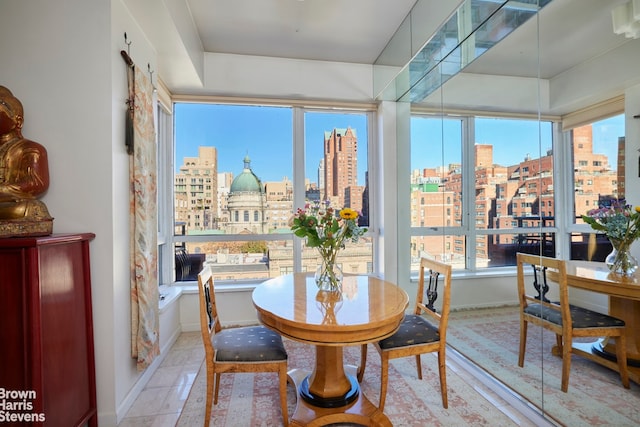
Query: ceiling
pixel 572 32
pixel 327 30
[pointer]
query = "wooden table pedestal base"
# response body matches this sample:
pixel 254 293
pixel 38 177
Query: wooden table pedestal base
pixel 360 411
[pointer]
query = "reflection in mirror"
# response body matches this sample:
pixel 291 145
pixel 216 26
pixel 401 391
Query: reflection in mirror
pixel 487 195
pixel 495 157
pixel 598 159
pixel 474 27
pixel 484 160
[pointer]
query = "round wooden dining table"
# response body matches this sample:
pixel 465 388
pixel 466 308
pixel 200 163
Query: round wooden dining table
pixel 367 310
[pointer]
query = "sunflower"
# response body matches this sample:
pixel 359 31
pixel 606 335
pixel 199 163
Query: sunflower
pixel 348 213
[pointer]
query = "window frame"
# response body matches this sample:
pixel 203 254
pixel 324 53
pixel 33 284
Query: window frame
pixel 164 179
pixel 298 112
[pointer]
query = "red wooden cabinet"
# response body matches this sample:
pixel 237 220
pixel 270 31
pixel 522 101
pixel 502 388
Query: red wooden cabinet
pixel 47 365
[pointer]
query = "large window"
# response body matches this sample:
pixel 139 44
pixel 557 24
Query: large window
pixel 474 181
pixel 241 171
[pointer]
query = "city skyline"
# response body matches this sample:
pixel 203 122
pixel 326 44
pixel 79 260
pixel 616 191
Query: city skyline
pixel 271 134
pixel 507 198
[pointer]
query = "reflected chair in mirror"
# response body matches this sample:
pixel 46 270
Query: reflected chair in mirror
pixel 565 320
pixel 424 331
pixel 234 350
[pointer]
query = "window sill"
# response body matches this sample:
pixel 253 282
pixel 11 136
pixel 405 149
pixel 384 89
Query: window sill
pixel 192 287
pixel 168 295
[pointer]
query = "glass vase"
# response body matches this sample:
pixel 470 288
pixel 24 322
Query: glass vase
pixel 329 276
pixel 620 261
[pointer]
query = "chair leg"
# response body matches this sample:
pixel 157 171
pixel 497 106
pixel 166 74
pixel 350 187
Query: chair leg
pixel 566 363
pixel 282 375
pixel 523 341
pixel 207 412
pixel 621 355
pixel 363 362
pixel 217 388
pixel 384 378
pixel 559 343
pixel 419 366
pixel 442 367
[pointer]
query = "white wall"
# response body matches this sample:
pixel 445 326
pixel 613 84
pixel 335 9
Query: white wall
pixel 242 75
pixel 56 61
pixel 62 60
pixel 235 308
pixel 126 385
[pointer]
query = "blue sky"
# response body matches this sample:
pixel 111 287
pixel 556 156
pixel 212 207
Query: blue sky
pixel 265 134
pixel 512 140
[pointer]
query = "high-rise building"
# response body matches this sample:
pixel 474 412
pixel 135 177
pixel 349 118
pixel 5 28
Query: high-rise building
pixel 196 190
pixel 340 164
pixel 321 175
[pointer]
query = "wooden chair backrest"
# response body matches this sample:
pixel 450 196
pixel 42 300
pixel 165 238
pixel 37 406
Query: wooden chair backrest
pixel 539 265
pixel 434 277
pixel 209 320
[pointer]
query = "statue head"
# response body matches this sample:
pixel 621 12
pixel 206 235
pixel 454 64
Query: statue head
pixel 12 107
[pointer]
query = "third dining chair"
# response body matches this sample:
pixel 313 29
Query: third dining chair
pixel 566 321
pixel 424 331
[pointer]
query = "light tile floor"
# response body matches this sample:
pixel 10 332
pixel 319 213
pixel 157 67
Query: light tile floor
pixel 161 401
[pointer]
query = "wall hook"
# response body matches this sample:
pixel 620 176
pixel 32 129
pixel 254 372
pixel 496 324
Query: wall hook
pixel 128 43
pixel 151 76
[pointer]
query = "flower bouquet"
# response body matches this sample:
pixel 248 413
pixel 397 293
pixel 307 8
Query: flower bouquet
pixel 328 232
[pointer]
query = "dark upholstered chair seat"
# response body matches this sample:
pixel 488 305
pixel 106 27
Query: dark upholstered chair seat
pixel 413 330
pixel 581 317
pixel 248 344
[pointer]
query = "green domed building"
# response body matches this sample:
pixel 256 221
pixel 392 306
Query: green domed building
pixel 246 203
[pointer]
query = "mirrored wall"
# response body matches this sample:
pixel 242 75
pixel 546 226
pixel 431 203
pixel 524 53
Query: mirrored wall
pixel 483 170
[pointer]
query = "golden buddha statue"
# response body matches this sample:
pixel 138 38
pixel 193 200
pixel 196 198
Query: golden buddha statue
pixel 24 175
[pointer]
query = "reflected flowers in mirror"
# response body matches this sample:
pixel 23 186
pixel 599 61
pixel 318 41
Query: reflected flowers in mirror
pixel 620 222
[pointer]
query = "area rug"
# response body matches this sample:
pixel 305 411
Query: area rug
pixel 252 399
pixel 490 338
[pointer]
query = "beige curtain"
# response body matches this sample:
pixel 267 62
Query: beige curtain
pixel 143 227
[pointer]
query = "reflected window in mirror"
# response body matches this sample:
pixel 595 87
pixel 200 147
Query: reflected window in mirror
pixel 498 173
pixel 598 159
